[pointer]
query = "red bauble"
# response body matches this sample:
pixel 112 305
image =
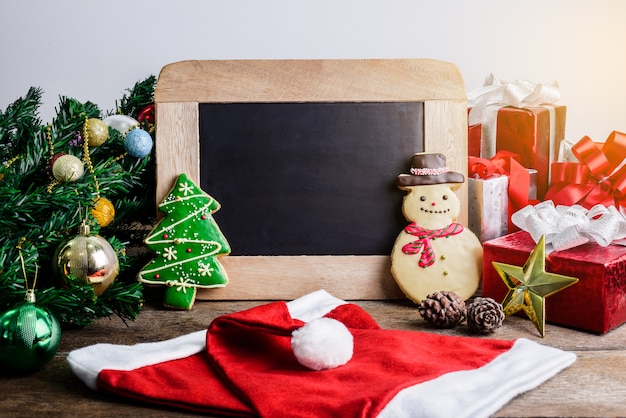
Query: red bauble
pixel 53 160
pixel 146 115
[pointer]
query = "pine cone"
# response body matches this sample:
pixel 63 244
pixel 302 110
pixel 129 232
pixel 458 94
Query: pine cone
pixel 443 309
pixel 485 315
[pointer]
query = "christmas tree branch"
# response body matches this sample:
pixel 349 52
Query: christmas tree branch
pixel 46 212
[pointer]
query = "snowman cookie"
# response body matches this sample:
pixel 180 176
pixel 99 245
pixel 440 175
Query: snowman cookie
pixel 434 253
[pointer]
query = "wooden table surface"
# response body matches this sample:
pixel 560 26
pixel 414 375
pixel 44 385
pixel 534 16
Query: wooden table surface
pixel 595 385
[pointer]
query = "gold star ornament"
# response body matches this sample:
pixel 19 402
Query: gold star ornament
pixel 530 285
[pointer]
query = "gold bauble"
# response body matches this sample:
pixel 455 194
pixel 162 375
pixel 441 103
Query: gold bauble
pixel 67 168
pixel 96 132
pixel 103 211
pixel 86 259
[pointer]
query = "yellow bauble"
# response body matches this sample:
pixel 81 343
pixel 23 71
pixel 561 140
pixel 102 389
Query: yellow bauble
pixel 103 211
pixel 96 132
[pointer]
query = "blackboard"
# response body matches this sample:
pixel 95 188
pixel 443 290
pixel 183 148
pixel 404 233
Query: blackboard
pixel 308 178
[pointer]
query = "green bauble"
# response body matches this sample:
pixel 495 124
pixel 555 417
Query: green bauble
pixel 29 338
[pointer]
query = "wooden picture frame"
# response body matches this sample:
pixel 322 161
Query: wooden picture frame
pixel 182 86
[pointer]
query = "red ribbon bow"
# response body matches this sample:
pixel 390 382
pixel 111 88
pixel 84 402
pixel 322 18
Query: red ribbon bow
pixel 597 179
pixel 505 163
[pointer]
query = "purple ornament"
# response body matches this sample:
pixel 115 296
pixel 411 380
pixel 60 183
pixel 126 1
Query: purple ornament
pixel 78 139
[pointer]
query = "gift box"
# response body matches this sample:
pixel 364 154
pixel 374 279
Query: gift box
pixel 597 303
pixel 497 188
pixel 488 204
pixel 535 134
pixel 488 207
pixel 474 139
pixel 486 102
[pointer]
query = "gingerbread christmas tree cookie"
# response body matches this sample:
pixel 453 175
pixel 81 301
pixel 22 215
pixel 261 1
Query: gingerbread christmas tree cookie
pixel 434 252
pixel 187 243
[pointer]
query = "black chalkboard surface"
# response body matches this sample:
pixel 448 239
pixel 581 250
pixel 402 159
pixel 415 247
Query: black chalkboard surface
pixel 308 178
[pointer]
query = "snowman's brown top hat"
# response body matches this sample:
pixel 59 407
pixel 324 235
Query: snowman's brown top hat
pixel 429 168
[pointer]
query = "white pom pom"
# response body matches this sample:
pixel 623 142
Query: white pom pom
pixel 322 343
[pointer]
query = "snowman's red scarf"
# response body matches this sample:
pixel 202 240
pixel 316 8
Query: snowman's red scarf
pixel 424 235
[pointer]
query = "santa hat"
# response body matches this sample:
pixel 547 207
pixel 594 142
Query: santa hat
pixel 260 362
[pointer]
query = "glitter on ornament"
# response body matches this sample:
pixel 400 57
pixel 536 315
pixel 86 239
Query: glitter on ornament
pixel 67 168
pixel 95 132
pixel 138 143
pixel 103 211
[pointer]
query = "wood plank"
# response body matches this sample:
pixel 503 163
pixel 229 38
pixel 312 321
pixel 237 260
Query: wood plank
pixel 289 277
pixel 177 146
pixel 593 386
pixel 445 131
pixel 218 81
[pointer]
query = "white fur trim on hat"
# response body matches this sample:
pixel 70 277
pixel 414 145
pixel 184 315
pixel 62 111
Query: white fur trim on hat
pixel 323 343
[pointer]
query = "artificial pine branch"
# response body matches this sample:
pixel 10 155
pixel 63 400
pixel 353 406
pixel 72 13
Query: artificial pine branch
pixel 35 208
pixel 18 121
pixel 136 98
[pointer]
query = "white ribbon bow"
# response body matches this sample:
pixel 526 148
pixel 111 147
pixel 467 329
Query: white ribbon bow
pixel 518 93
pixel 566 227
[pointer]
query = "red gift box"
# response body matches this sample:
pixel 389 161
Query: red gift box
pixel 528 132
pixel 597 303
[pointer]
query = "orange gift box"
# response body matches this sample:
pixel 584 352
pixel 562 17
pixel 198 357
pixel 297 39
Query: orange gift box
pixel 535 134
pixel 474 138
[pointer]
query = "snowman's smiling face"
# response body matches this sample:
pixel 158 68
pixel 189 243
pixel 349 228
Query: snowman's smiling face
pixel 432 206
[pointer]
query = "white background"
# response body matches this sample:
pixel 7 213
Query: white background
pixel 95 50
